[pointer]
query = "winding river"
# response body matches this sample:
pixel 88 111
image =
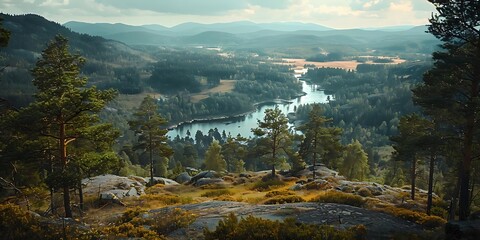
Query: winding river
pixel 242 125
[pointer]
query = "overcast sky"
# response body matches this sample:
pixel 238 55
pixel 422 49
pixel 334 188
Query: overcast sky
pixel 331 13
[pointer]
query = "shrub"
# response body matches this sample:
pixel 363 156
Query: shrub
pixel 129 230
pixel 284 199
pixel 16 223
pixel 217 193
pixel 173 220
pixel 265 185
pixel 413 216
pixel 364 192
pixel 251 228
pixel 340 197
pixel 432 221
pixel 439 212
pixel 278 193
pixel 130 215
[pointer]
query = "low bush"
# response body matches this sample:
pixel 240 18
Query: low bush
pixel 414 216
pixel 129 230
pixel 217 193
pixel 439 212
pixel 278 193
pixel 173 220
pixel 364 192
pixel 339 197
pixel 284 199
pixel 251 228
pixel 266 185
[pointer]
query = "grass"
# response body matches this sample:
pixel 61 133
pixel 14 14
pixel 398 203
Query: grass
pixel 339 197
pixel 224 87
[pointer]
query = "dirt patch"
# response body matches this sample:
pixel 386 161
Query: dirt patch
pixel 224 87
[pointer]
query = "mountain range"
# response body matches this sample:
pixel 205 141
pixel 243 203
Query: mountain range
pixel 249 35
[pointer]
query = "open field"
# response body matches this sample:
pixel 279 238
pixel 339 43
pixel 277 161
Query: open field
pixel 347 65
pixel 132 101
pixel 224 87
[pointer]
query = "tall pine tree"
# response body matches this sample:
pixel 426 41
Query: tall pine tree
pixel 450 92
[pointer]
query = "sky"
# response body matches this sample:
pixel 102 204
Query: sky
pixel 340 14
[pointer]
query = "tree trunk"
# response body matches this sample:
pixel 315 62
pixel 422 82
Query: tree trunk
pixel 64 160
pixel 430 183
pixel 80 195
pixel 414 175
pixel 151 160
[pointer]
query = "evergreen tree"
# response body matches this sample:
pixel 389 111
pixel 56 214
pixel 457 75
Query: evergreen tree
pixel 234 152
pixel 450 91
pixel 319 139
pixel 214 158
pixel 276 137
pixel 64 112
pixel 355 162
pixel 147 124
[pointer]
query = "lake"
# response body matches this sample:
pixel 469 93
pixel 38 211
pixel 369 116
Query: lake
pixel 242 125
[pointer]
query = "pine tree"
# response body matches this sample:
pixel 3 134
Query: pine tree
pixel 276 137
pixel 319 140
pixel 214 158
pixel 450 91
pixel 65 112
pixel 147 124
pixel 355 162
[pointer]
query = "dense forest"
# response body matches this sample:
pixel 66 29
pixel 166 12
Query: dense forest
pixel 64 117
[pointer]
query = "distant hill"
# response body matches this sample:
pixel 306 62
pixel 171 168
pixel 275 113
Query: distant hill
pixel 30 34
pixel 257 36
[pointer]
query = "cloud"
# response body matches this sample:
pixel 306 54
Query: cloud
pixel 196 7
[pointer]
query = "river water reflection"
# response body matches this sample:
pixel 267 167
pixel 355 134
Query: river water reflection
pixel 243 125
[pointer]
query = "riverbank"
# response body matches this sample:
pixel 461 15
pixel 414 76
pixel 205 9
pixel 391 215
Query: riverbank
pixel 234 117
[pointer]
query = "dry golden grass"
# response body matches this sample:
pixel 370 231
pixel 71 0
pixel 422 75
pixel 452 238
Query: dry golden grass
pixel 224 87
pixel 347 65
pixel 132 101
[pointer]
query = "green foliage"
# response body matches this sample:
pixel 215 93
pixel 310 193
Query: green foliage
pixel 250 228
pixel 340 197
pixel 214 159
pixel 276 137
pixel 166 199
pixel 355 162
pixel 319 140
pixel 269 184
pixel 217 193
pixel 147 124
pixel 64 114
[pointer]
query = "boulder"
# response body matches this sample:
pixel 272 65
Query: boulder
pixel 183 178
pixel 105 184
pixel 204 174
pixel 164 181
pixel 297 187
pixel 206 181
